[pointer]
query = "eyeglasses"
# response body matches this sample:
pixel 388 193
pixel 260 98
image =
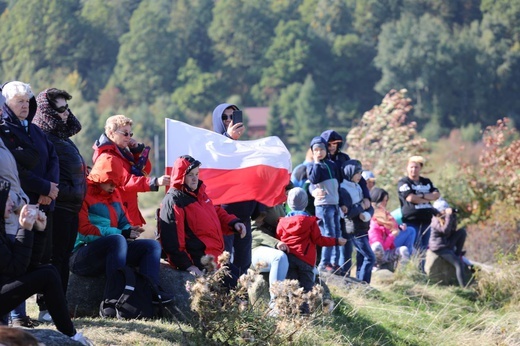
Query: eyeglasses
pixel 226 117
pixel 62 109
pixel 126 134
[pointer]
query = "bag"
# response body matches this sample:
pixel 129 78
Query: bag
pixel 129 295
pixel 349 225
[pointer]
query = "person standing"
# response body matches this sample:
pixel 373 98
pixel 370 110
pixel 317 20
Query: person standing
pixel 415 193
pixel 239 247
pixel 58 122
pixel 38 180
pixel 117 144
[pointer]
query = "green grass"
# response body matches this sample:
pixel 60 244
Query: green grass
pixel 402 312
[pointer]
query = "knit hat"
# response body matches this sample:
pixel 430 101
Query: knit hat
pixel 297 199
pixel 5 186
pixel 377 195
pixel 441 204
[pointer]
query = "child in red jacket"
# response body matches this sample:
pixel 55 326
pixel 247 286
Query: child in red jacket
pixel 301 233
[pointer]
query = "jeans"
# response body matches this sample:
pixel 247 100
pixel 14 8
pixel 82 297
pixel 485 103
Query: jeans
pixel 276 261
pixel 345 251
pixel 328 222
pixel 422 236
pixel 406 238
pixel 46 281
pixel 106 254
pixel 365 258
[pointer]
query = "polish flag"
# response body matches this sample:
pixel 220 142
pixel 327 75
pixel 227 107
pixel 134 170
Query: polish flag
pixel 233 171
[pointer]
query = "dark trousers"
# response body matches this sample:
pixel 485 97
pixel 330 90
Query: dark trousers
pixel 453 252
pixel 301 271
pixel 240 248
pixel 64 233
pixel 46 281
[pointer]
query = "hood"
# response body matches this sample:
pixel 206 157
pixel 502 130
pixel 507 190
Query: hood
pixel 218 124
pixel 101 145
pixel 332 136
pixel 107 169
pixel 317 140
pixel 181 167
pixel 8 113
pixel 350 168
pixel 49 121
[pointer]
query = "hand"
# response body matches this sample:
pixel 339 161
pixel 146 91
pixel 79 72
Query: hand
pixel 395 232
pixel 54 191
pixel 318 192
pixel 235 131
pixel 163 180
pixel 241 228
pixel 44 200
pixel 342 241
pixel 344 209
pixel 134 234
pixel 137 229
pixel 28 216
pixel 41 221
pixel 365 203
pixel 448 211
pixel 194 270
pixel 132 143
pixel 403 227
pixel 282 247
pixel 316 156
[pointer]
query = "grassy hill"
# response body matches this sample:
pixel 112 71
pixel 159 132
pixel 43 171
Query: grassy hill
pixel 397 309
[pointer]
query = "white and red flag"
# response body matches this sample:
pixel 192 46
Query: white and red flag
pixel 233 171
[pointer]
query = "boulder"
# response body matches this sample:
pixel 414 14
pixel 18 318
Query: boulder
pixel 84 294
pixel 49 337
pixel 440 271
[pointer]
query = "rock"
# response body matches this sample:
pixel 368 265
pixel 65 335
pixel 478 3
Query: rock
pixel 259 291
pixel 84 294
pixel 441 271
pixel 382 277
pixel 50 337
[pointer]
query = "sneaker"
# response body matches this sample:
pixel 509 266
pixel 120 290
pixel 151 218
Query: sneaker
pixel 24 322
pixel 82 339
pixel 44 317
pixel 163 298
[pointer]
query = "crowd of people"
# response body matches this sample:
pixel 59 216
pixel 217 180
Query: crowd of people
pixel 61 217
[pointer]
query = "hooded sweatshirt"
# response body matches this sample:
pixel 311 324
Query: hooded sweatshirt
pixel 218 124
pixel 190 226
pixel 102 213
pixel 324 175
pixel 353 195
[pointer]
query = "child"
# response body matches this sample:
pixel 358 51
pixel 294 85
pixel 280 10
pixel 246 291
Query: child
pixel 325 176
pixel 300 232
pixel 389 241
pixel 358 219
pixel 445 240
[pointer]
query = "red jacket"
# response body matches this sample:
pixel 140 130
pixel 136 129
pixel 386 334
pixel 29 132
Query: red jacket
pixel 190 226
pixel 301 234
pixel 132 184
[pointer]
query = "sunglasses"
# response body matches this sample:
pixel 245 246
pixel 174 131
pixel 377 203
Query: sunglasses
pixel 62 109
pixel 226 117
pixel 126 134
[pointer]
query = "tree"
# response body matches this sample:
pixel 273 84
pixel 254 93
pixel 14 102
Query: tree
pixel 384 139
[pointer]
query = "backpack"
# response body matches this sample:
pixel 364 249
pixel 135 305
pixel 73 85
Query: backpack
pixel 129 295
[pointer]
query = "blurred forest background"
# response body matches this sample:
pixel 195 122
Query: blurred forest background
pixel 317 64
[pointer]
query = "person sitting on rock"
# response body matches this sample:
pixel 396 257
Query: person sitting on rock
pixel 106 240
pixel 445 240
pixel 190 226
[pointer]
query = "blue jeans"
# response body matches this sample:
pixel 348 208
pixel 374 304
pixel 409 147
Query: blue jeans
pixel 106 254
pixel 328 216
pixel 345 251
pixel 365 258
pixel 406 238
pixel 422 237
pixel 276 261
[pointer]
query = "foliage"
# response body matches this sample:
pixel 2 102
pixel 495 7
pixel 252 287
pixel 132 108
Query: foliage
pixel 384 140
pixel 225 317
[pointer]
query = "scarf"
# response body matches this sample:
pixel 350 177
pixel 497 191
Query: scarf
pixel 49 121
